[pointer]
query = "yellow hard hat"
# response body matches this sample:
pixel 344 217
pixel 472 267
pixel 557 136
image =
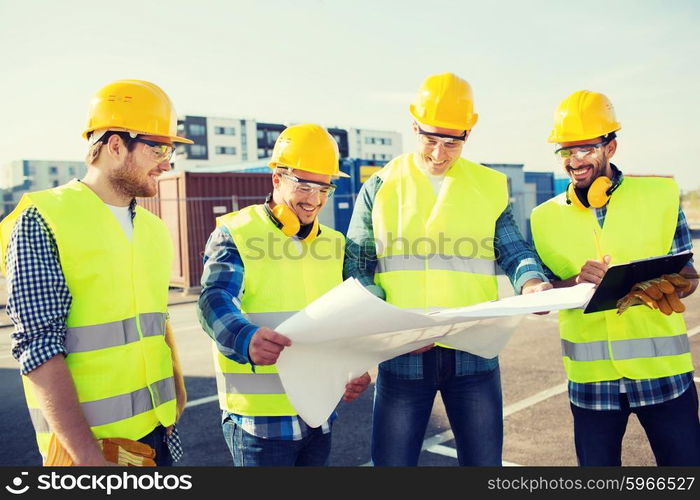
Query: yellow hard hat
pixel 445 101
pixel 133 106
pixel 307 147
pixel 583 115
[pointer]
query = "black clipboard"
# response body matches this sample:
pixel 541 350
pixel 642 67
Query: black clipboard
pixel 618 280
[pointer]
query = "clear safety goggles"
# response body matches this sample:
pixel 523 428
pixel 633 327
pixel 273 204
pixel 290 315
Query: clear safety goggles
pixel 160 151
pixel 432 140
pixel 308 187
pixel 579 152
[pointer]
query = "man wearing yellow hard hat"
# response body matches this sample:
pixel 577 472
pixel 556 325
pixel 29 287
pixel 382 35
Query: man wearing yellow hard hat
pixel 427 232
pixel 261 265
pixel 88 273
pixel 635 360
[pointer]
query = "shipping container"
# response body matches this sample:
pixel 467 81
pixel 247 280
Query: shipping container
pixel 344 197
pixel 190 202
pixel 544 182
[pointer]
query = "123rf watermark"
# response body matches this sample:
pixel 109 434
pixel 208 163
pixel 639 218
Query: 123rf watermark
pixel 103 483
pixel 625 483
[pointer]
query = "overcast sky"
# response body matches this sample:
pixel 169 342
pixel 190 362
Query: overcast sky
pixel 358 64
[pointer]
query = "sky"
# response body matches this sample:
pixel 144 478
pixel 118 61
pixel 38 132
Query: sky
pixel 358 64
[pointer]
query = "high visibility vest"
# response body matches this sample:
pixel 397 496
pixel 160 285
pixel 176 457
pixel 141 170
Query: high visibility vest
pixel 640 222
pixel 437 251
pixel 279 280
pixel 117 354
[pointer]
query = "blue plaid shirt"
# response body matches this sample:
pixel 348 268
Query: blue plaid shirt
pixel 38 299
pixel 513 254
pixel 605 395
pixel 220 314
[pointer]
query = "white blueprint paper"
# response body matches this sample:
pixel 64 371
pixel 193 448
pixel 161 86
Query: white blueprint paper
pixel 348 331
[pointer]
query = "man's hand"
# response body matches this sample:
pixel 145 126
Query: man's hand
pixel 535 285
pixel 266 345
pixel 593 271
pixel 356 386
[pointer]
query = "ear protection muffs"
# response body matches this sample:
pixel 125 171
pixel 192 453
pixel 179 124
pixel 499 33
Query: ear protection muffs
pixel 287 221
pixel 597 195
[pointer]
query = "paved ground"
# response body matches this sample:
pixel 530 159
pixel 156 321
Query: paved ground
pixel 538 427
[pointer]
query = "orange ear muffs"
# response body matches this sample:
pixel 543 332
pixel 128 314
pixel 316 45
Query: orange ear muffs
pixel 598 193
pixel 287 221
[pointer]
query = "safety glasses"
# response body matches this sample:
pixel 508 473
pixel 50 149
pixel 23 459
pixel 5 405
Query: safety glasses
pixel 160 151
pixel 579 152
pixel 309 187
pixel 449 142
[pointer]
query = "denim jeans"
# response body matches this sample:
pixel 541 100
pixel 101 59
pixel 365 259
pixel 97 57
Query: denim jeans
pixel 157 439
pixel 251 451
pixel 672 427
pixel 402 408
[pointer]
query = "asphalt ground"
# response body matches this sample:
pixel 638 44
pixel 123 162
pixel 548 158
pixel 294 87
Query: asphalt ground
pixel 538 424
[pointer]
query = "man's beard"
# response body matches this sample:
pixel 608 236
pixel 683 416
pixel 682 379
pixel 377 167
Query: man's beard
pixel 130 182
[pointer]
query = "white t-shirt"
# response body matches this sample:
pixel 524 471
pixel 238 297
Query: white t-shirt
pixel 124 218
pixel 435 180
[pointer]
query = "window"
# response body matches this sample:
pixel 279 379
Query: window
pixel 55 183
pixel 387 141
pixel 197 129
pixel 198 150
pixel 224 131
pixel 53 170
pixel 369 140
pixel 225 150
pixel 71 170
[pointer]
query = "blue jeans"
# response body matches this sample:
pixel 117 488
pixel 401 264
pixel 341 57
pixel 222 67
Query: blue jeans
pixel 402 409
pixel 157 439
pixel 251 451
pixel 672 427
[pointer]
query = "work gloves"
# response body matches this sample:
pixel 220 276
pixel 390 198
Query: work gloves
pixel 127 452
pixel 658 293
pixel 119 451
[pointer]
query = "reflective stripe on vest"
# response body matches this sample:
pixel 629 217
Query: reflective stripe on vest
pixel 91 338
pixel 116 408
pixel 247 383
pixel 456 263
pixel 641 343
pixel 626 349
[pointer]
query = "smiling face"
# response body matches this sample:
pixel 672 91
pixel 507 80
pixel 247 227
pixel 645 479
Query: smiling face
pixel 137 175
pixel 437 154
pixel 306 205
pixel 584 169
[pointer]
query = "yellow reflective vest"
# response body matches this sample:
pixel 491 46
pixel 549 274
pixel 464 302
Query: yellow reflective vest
pixel 115 336
pixel 437 251
pixel 282 276
pixel 640 222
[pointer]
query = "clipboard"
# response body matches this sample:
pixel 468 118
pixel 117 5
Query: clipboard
pixel 618 280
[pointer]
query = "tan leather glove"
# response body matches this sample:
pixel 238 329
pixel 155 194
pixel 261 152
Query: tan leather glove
pixel 119 451
pixel 658 293
pixel 122 451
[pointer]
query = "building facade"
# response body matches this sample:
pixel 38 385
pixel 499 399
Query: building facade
pixel 228 141
pixel 21 176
